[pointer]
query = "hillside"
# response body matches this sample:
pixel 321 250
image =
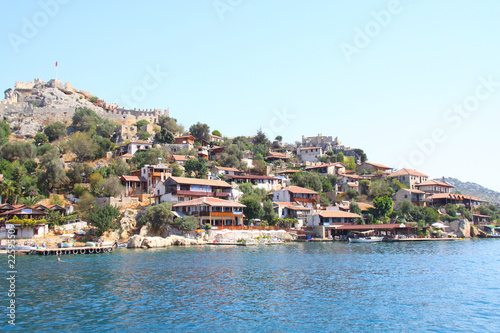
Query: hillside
pixel 470 188
pixel 32 105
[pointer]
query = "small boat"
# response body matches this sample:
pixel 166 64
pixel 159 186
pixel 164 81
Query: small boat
pixel 370 239
pixel 67 241
pixel 121 245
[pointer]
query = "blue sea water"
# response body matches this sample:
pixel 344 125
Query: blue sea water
pixel 297 287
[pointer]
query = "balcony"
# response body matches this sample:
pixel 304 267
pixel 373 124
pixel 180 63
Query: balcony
pixel 194 193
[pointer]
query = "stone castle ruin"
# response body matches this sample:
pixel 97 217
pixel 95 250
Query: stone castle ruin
pixel 32 105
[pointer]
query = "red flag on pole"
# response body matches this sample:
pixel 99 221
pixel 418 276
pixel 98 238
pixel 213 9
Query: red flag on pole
pixel 56 63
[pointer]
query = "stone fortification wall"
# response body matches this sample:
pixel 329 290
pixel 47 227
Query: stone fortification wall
pixel 38 103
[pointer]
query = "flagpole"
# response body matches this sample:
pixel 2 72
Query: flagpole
pixel 56 70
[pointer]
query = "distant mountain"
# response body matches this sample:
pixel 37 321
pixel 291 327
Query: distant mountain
pixel 469 188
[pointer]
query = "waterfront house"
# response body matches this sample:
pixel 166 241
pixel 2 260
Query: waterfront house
pixel 479 219
pixel 23 212
pixel 21 231
pixel 53 207
pixel 217 212
pixel 343 231
pixel 409 177
pixel 180 189
pixel 303 196
pixel 291 210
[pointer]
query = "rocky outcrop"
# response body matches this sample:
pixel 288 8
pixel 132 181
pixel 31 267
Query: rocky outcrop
pixel 234 235
pixel 128 223
pixel 135 242
pixel 151 242
pixel 464 229
pixel 138 241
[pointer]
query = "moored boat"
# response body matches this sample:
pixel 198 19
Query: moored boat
pixel 370 239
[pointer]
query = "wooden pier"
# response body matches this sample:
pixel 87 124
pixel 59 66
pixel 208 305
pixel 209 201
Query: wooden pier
pixel 73 250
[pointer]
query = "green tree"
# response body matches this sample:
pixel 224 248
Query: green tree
pixel 352 193
pixel 30 166
pixel 149 156
pixel 326 184
pixel 279 138
pixel 261 139
pixel 82 146
pixel 200 131
pixel 269 213
pixel 187 223
pixel 85 120
pixel 51 173
pixel 170 124
pixel 79 172
pixel 381 188
pixel 384 205
pixel 55 130
pixel 253 209
pixel 361 154
pixel 105 128
pixel 104 217
pixel 340 158
pixel 141 123
pixel 196 166
pixel 109 187
pixel 216 132
pixel 176 170
pixel 100 145
pixel 40 139
pixel 164 136
pixel 364 186
pixel 7 189
pixel 157 216
pixel 54 218
pixel 308 180
pixel 20 151
pixel 355 209
pixel 4 132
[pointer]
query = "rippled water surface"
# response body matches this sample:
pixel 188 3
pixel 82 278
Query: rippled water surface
pixel 299 287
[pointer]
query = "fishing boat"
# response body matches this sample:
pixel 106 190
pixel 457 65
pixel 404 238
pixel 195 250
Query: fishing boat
pixel 370 239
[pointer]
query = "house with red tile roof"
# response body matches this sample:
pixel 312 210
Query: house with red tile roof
pixel 300 195
pixel 292 210
pixel 180 189
pixel 434 186
pixel 409 177
pixel 217 212
pixel 373 167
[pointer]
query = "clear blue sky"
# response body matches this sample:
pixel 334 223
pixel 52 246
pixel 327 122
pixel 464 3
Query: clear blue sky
pixel 329 66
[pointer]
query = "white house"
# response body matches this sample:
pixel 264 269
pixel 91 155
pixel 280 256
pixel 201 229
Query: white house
pixel 309 154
